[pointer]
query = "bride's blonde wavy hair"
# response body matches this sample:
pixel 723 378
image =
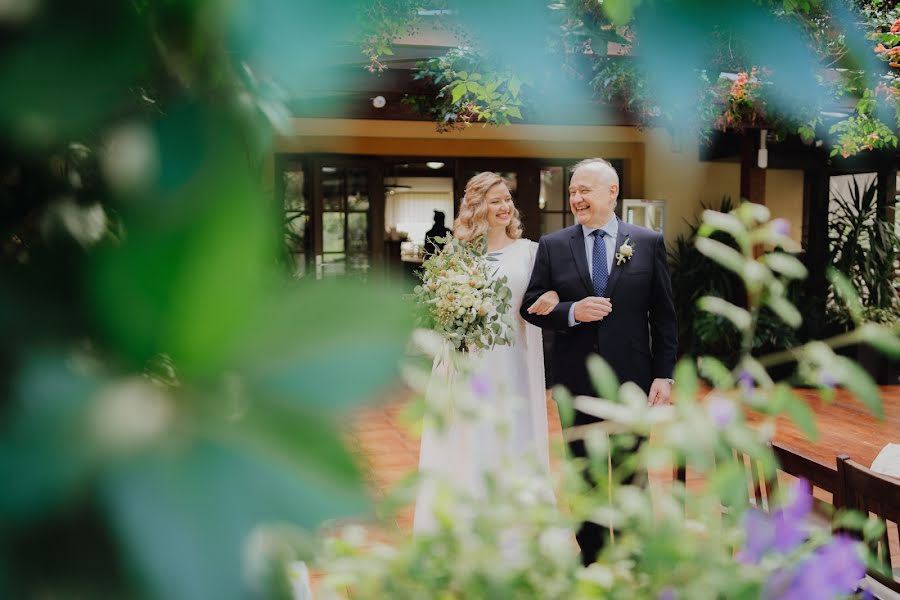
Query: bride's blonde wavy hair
pixel 472 220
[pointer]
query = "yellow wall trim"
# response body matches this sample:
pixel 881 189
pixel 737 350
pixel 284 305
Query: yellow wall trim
pixel 426 130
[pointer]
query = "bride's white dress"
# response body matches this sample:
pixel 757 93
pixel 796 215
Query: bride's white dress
pixel 511 378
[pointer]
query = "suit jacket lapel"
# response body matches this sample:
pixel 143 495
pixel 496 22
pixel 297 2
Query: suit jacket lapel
pixel 578 252
pixel 616 269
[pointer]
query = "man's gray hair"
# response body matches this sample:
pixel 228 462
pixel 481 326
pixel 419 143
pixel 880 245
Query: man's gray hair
pixel 609 171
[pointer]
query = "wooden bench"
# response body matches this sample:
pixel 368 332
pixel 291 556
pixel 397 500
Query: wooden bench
pixel 875 495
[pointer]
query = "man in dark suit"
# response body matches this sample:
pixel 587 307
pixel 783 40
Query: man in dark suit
pixel 438 230
pixel 615 301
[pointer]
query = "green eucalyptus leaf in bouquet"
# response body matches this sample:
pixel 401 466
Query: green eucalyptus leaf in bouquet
pixel 463 302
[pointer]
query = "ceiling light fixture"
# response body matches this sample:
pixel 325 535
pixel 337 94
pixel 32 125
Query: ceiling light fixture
pixel 434 164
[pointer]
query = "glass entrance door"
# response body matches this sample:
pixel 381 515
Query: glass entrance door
pixel 346 204
pixel 334 214
pixel 292 179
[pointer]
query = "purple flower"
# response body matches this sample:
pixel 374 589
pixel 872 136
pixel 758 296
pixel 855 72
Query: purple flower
pixel 789 533
pixel 782 531
pixel 827 379
pixel 721 410
pixel 840 560
pixel 781 226
pixel 789 521
pixel 801 500
pixel 760 536
pixel 746 381
pixel 481 386
pixel 668 594
pixel 807 582
pixel 834 570
pixel 778 584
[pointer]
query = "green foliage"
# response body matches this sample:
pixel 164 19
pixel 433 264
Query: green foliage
pixel 618 82
pixel 380 23
pixel 167 394
pixel 685 542
pixel 699 43
pixel 695 275
pixel 862 131
pixel 470 89
pixel 863 249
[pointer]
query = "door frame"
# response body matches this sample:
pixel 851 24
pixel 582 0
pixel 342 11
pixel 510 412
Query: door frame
pixel 375 172
pixel 312 165
pixel 527 195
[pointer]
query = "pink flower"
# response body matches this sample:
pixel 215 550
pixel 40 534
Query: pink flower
pixel 896 26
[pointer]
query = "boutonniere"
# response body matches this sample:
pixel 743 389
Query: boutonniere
pixel 626 251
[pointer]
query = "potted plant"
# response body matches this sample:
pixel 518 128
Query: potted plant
pixel 866 250
pixel 699 332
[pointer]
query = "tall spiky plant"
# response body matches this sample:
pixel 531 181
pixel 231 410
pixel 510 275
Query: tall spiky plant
pixel 865 249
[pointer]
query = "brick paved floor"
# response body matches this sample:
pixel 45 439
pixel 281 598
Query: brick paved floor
pixel 390 449
pixel 382 435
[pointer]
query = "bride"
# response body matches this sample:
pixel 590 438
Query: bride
pixel 465 450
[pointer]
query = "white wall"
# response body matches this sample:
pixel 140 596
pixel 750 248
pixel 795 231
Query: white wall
pixel 424 184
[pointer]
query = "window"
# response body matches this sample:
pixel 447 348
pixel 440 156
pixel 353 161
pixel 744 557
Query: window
pixel 646 213
pixel 553 201
pixel 345 220
pixel 298 223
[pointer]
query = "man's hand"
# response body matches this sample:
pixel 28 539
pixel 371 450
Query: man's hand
pixel 592 308
pixel 660 393
pixel 545 304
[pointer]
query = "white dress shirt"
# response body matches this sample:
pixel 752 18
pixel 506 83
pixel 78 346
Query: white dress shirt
pixel 612 230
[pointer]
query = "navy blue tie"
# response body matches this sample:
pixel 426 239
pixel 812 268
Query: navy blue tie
pixel 600 270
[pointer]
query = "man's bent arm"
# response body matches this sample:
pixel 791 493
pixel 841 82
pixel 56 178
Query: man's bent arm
pixel 540 282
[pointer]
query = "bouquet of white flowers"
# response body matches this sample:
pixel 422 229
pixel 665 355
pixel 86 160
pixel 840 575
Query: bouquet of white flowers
pixel 463 304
